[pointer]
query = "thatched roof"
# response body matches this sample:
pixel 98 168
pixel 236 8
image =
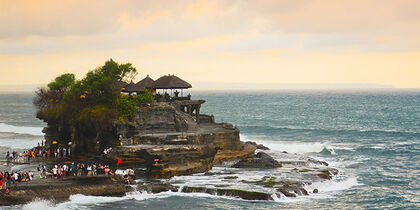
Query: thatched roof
pixel 171 82
pixel 147 82
pixel 131 87
pixel 121 84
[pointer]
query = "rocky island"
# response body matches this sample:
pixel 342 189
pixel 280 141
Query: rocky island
pixel 152 127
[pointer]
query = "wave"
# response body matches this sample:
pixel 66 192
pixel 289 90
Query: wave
pixel 304 129
pixel 19 143
pixel 297 147
pixel 333 185
pixel 36 131
pixel 78 200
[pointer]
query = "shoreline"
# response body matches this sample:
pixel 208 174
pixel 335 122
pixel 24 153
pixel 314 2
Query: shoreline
pixel 269 187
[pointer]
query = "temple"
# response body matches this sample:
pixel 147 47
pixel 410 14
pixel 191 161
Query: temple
pixel 172 137
pixel 167 89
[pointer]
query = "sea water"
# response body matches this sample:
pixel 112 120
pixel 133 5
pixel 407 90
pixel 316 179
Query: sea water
pixel 372 137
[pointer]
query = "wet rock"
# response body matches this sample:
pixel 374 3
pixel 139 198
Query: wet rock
pixel 230 177
pixel 286 193
pixel 218 173
pixel 311 160
pixel 61 190
pixel 325 174
pixel 258 146
pixel 157 188
pixel 301 191
pixel 261 160
pixel 247 195
pixel 172 160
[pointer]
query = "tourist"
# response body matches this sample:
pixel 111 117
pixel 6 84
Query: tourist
pixel 55 171
pixel 44 171
pixel 89 170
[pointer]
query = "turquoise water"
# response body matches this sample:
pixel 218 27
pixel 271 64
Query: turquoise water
pixel 373 137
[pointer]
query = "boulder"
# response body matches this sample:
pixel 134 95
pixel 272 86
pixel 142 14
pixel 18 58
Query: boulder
pixel 261 160
pixel 244 194
pixel 258 146
pixel 157 188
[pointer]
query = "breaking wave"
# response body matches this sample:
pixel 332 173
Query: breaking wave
pixel 36 131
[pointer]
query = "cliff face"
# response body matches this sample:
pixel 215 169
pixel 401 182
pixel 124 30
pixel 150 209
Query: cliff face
pixel 183 142
pixel 178 141
pixel 84 138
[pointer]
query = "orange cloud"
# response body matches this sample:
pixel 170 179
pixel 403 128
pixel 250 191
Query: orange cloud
pixel 201 44
pixel 201 8
pixel 145 18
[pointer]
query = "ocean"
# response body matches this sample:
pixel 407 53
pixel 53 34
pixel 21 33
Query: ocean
pixel 371 136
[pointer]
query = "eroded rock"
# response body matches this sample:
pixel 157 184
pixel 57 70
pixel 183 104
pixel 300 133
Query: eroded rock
pixel 261 160
pixel 247 195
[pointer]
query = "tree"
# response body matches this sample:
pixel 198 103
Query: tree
pixel 62 83
pixel 91 104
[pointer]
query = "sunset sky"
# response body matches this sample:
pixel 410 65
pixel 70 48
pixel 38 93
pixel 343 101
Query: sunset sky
pixel 266 42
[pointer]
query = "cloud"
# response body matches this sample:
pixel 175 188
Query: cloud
pixel 200 45
pixel 145 18
pixel 272 41
pixel 201 8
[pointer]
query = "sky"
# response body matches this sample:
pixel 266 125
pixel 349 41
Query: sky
pixel 204 41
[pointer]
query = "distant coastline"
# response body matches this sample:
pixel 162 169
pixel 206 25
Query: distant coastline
pixel 200 86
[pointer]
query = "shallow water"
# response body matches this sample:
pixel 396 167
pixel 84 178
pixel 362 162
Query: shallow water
pixel 372 137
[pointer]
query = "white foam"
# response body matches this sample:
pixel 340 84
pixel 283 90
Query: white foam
pixel 297 147
pixel 74 202
pixel 39 204
pixel 292 147
pixel 333 185
pixel 19 143
pixel 37 131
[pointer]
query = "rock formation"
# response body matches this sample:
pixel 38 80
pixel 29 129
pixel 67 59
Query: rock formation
pixel 261 160
pixel 171 140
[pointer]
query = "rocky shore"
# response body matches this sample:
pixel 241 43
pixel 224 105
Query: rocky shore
pixel 260 177
pixel 169 145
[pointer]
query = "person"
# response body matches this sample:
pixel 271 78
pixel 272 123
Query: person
pixel 4 182
pixel 15 177
pixel 73 169
pixel 54 171
pixel 44 171
pixel 106 170
pixel 30 175
pixel 131 173
pixel 126 179
pixel 79 169
pixel 65 169
pixel 89 170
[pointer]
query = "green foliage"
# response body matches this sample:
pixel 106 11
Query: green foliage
pixel 63 82
pixel 144 98
pixel 90 99
pixel 98 114
pixel 126 107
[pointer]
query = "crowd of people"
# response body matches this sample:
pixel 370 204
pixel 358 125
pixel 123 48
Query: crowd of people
pixel 8 179
pixel 80 169
pixel 38 152
pixel 57 171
